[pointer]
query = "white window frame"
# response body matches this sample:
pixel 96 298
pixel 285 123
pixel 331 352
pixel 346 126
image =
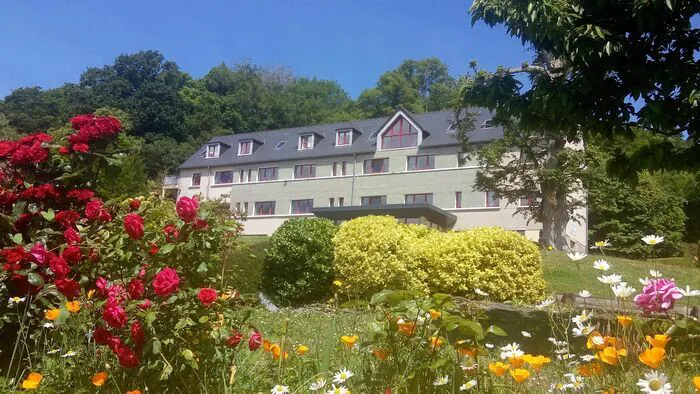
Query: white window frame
pixel 192 179
pixel 217 149
pixel 337 137
pixel 311 141
pixel 240 145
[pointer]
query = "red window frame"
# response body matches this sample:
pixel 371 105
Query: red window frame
pixel 424 198
pixel 264 208
pixel 492 201
pixel 401 136
pixel 302 206
pixel 304 171
pixel 370 166
pixel 528 201
pixel 343 138
pixel 458 199
pixel 305 142
pixel 244 147
pixel 196 179
pixel 420 162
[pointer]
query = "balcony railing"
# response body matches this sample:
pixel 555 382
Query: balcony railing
pixel 170 180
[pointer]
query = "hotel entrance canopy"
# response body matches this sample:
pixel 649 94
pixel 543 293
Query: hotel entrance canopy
pixel 426 214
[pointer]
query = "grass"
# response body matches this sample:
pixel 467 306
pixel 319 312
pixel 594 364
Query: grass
pixel 561 273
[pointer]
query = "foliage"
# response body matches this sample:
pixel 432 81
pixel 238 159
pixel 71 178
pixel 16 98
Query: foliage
pixel 299 262
pixel 587 68
pixel 245 265
pixel 379 253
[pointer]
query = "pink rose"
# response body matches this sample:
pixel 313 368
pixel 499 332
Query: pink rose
pixel 135 289
pixel 187 208
pixel 166 282
pixel 255 340
pixel 114 315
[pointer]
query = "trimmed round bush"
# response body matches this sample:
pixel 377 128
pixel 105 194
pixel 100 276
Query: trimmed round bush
pixel 374 253
pixel 298 266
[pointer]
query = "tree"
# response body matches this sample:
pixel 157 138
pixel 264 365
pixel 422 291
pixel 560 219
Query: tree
pixel 307 101
pixel 609 67
pixel 393 90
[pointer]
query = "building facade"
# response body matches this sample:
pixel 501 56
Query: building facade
pixel 404 159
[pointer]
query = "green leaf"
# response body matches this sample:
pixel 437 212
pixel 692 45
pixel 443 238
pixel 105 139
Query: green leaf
pixel 204 319
pixel 165 373
pixel 17 238
pixel 669 4
pixel 48 215
pixel 150 318
pixel 187 354
pixel 156 346
pixel 439 363
pixel 35 279
pixel 495 330
pixel 167 248
pixel 202 268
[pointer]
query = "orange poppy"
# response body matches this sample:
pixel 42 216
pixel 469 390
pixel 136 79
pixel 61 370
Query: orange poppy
pixel 99 379
pixel 652 357
pixel 624 320
pixel 407 328
pixel 516 362
pixel 32 381
pixel 267 345
pixel 536 362
pixel 590 369
pixel 436 341
pixel 434 314
pixel 302 350
pixel 659 340
pixel 137 391
pixel 52 314
pixel 349 340
pixel 519 375
pixel 381 354
pixel 610 355
pixel 696 383
pixel 277 352
pixel 73 306
pixel 498 368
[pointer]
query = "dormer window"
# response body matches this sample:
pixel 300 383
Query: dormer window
pixel 245 148
pixel 399 132
pixel 306 141
pixel 343 137
pixel 212 151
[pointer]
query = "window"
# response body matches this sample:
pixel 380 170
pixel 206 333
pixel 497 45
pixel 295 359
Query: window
pixel 343 137
pixel 238 207
pixel 525 201
pixel 376 166
pixel 250 175
pixel 267 174
pixel 264 208
pixel 422 162
pixel 492 199
pixel 223 177
pixel 458 199
pixel 212 151
pixel 401 134
pixel 302 206
pixel 424 198
pixel 463 159
pixel 338 168
pixel 334 171
pixel 305 171
pixel 341 200
pixel 196 179
pixel 306 141
pixel 245 148
pixel 331 202
pixel 488 123
pixel 343 169
pixel 245 207
pixel 280 145
pixel 241 176
pixel 373 200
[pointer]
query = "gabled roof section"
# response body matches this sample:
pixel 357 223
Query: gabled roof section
pixel 433 124
pixel 401 113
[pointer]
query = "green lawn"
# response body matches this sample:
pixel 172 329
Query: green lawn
pixel 561 273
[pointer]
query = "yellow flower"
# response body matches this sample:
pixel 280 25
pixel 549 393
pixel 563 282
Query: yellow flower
pixel 436 341
pixel 137 391
pixel 659 340
pixel 498 368
pixel 302 350
pixel 277 352
pixel 73 306
pixel 434 314
pixel 696 383
pixel 99 379
pixel 624 320
pixel 349 340
pixel 536 362
pixel 652 357
pixel 610 355
pixel 32 381
pixel 90 293
pixel 519 375
pixel 52 314
pixel 338 283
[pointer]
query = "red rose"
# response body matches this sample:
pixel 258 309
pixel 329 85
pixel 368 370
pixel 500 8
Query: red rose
pixel 135 289
pixel 135 204
pixel 171 233
pixel 114 343
pixel 116 293
pixel 67 218
pixel 15 255
pixel 153 250
pixel 200 224
pixel 72 254
pixel 67 287
pixel 101 336
pixel 137 334
pixel 71 236
pixel 64 150
pixel 235 339
pixel 187 208
pixel 114 315
pixel 93 209
pixel 133 224
pixel 207 296
pixel 255 341
pixel 166 282
pixel 40 255
pixel 145 304
pixel 127 358
pixel 80 147
pixel 80 195
pixel 102 286
pixel 59 267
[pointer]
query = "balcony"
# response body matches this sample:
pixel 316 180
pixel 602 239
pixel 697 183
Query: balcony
pixel 170 181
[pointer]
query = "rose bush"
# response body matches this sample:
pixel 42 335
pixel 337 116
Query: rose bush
pixel 123 274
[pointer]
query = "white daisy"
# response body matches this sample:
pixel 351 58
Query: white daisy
pixel 511 350
pixel 576 256
pixel 526 334
pixel 610 279
pixel 468 385
pixel 468 368
pixel 317 385
pixel 338 390
pixel 342 375
pixel 621 290
pixel 576 381
pixel 644 281
pixel 582 318
pixel 545 303
pixel 48 325
pixel 597 340
pixel 15 300
pixel 654 383
pixel 481 292
pixel 557 343
pixel 601 265
pixel 582 330
pixel 588 357
pixel 279 389
pixel 584 293
pixel 441 380
pixel 559 387
pixel 652 239
pixel 489 345
pixel 69 354
pixel 689 293
pixel 600 244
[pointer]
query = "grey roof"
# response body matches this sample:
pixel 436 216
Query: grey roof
pixel 434 124
pixel 434 214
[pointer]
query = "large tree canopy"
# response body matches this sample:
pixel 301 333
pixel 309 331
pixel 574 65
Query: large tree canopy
pixel 606 67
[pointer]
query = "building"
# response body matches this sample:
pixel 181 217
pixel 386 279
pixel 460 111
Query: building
pixel 406 165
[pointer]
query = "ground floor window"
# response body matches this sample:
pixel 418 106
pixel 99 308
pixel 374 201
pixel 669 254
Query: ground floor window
pixel 373 200
pixel 222 177
pixel 424 198
pixel 302 206
pixel 264 208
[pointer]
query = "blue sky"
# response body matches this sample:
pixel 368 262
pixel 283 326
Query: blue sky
pixel 47 43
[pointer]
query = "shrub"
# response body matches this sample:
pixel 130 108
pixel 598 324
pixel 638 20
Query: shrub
pixel 299 263
pixel 378 252
pixel 244 264
pixel 373 253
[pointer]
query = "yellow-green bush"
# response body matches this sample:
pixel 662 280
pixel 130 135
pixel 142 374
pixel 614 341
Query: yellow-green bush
pixel 373 253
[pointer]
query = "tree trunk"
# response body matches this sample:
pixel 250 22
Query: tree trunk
pixel 554 213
